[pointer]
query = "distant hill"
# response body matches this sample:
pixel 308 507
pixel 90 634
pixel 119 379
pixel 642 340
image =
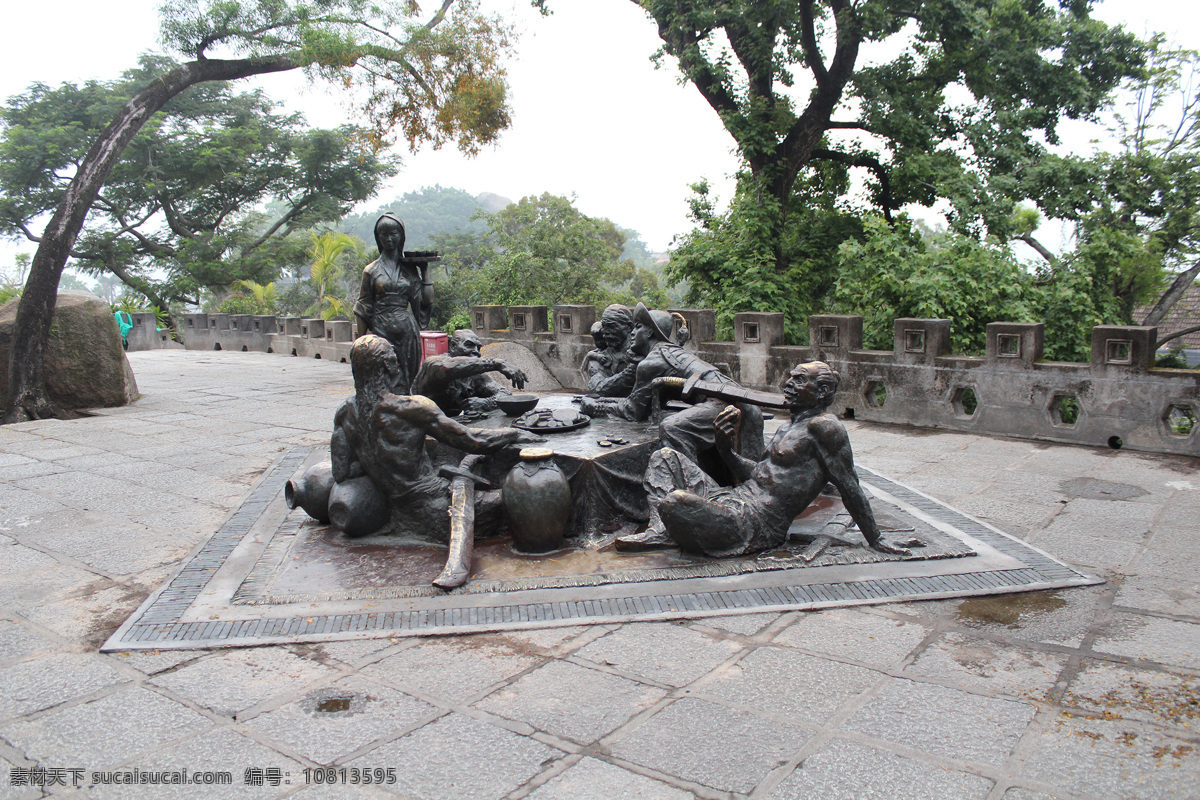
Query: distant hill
pixel 426 212
pixel 491 203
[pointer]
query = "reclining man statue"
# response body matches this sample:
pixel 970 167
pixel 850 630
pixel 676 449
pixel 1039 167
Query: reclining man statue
pixel 689 509
pixel 382 435
pixel 457 382
pixel 689 431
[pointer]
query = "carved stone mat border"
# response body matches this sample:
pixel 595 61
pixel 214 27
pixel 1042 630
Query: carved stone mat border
pixel 196 607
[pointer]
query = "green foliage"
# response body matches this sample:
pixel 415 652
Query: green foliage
pixel 456 322
pixel 297 297
pixel 239 304
pixel 881 83
pixel 13 280
pixel 332 275
pixel 132 303
pixel 951 103
pixel 1068 410
pixel 1181 420
pixel 630 284
pixel 436 82
pixel 540 251
pixel 895 272
pixel 732 263
pixel 251 297
pixel 178 213
pixel 1172 359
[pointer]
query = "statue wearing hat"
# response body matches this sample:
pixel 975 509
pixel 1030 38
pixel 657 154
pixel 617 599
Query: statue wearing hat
pixel 689 431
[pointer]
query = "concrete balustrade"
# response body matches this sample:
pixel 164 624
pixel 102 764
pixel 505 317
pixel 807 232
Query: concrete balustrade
pixel 1117 399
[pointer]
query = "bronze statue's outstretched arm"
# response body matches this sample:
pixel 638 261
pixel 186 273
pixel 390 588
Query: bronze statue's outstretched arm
pixel 424 413
pixel 833 448
pixel 437 372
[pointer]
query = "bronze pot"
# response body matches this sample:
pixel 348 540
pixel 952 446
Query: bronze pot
pixel 357 507
pixel 538 501
pixel 311 491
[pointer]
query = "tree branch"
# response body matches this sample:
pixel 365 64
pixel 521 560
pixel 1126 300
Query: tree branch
pixel 871 163
pixel 136 283
pixel 1038 247
pixel 685 47
pixel 439 16
pixel 808 39
pixel 1172 295
pixel 1176 335
pixel 284 220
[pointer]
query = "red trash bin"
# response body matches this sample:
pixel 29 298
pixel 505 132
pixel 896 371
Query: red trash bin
pixel 434 343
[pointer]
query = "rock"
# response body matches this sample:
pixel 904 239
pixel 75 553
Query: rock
pixel 85 364
pixel 521 357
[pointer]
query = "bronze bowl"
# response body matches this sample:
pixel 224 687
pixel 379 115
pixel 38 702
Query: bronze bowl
pixel 516 404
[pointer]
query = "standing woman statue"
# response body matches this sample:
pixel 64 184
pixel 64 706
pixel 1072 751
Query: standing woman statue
pixel 395 299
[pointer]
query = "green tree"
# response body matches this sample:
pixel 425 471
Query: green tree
pixel 453 294
pixel 544 251
pixel 251 297
pixel 179 212
pixel 331 272
pixel 729 259
pixel 895 271
pixel 1138 208
pixel 929 101
pixel 434 83
pixel 876 85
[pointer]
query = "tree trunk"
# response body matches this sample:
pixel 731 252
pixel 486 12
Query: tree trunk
pixel 31 331
pixel 1171 296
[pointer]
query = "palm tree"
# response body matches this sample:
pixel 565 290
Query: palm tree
pixel 327 251
pixel 265 297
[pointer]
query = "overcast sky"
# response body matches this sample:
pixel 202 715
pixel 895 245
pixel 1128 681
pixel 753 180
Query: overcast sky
pixel 591 116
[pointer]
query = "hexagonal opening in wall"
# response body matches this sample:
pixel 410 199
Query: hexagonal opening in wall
pixel 1180 419
pixel 964 402
pixel 875 393
pixel 1064 410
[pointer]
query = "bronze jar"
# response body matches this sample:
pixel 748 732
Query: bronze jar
pixel 311 491
pixel 537 499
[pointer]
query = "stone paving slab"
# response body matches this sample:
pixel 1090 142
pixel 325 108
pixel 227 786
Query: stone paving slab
pixel 1070 694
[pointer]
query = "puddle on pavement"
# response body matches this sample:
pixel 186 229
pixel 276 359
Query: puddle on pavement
pixel 332 705
pixel 1094 489
pixel 1007 609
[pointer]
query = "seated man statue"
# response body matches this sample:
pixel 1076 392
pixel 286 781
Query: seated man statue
pixel 689 509
pixel 689 431
pixel 610 369
pixel 382 435
pixel 458 382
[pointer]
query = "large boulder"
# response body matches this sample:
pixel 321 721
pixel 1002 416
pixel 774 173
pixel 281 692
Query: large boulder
pixel 86 366
pixel 538 378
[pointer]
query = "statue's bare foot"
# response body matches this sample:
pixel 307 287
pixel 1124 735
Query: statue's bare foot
pixel 648 539
pixel 884 546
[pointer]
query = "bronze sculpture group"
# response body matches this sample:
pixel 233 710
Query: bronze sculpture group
pixel 714 488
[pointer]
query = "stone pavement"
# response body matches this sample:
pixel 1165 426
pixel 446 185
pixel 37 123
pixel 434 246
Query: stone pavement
pixel 1073 694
